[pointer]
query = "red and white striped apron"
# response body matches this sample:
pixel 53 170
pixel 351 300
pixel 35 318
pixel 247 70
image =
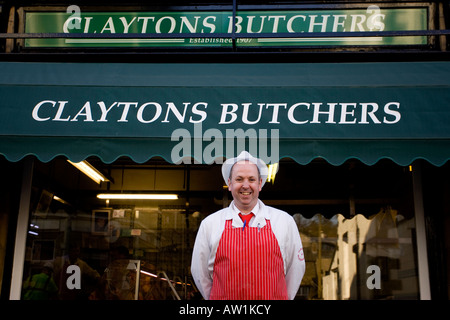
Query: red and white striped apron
pixel 248 265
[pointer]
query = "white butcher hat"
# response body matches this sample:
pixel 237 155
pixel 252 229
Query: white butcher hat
pixel 245 156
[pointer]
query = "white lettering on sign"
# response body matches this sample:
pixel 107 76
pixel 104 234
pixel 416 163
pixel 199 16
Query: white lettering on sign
pixel 300 113
pixel 255 22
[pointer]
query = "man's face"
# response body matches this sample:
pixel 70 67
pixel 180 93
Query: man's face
pixel 245 185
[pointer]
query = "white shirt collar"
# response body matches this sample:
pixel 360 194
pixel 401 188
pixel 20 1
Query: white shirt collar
pixel 235 210
pixel 258 211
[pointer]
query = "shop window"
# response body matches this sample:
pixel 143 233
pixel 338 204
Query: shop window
pixel 359 258
pixel 356 223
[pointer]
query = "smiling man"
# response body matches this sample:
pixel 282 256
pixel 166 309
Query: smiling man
pixel 248 251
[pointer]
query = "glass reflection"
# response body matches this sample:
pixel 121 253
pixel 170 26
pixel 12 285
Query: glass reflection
pixel 137 254
pixel 359 258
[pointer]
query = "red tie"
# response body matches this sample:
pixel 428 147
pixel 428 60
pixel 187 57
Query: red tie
pixel 246 218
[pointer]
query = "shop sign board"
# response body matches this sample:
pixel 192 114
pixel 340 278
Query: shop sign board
pixel 297 113
pixel 215 23
pixel 335 111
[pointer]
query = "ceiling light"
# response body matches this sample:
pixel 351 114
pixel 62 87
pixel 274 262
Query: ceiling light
pixel 60 200
pixel 137 196
pixel 90 171
pixel 273 169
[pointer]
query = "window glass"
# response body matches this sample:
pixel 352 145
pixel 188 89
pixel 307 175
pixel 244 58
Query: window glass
pixel 359 258
pixel 356 223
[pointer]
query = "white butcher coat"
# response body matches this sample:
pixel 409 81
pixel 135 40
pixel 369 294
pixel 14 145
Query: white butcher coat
pixel 210 232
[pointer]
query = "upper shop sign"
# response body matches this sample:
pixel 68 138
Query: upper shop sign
pixel 371 18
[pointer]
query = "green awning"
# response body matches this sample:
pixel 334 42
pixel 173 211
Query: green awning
pixel 335 111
